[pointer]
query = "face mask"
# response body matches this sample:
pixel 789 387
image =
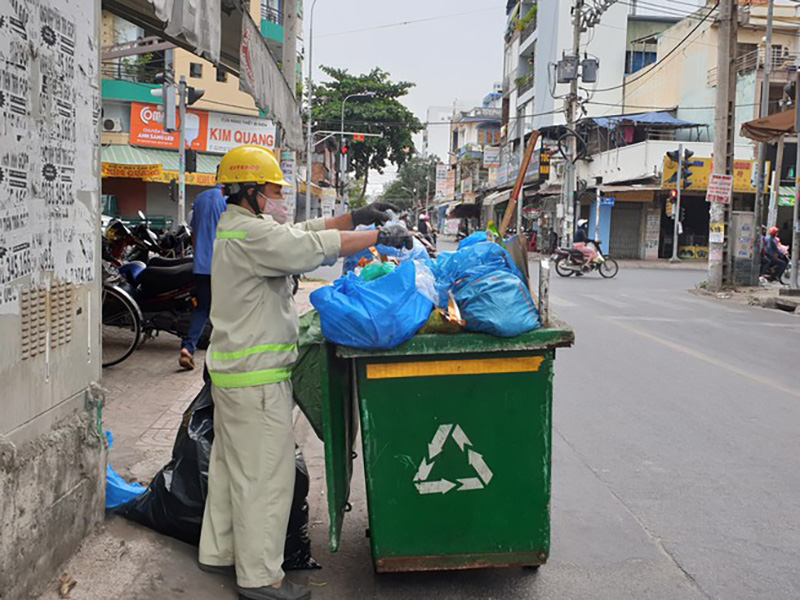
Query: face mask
pixel 275 208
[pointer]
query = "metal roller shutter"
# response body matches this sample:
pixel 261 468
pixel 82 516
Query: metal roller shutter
pixel 626 223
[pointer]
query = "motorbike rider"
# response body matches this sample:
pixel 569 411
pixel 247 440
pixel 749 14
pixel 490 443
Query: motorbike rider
pixel 775 255
pixel 253 347
pixel 583 243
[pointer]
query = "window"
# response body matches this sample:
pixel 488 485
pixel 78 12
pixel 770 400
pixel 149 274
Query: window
pixel 222 76
pixel 195 70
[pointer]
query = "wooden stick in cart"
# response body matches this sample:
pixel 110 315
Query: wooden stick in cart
pixel 523 169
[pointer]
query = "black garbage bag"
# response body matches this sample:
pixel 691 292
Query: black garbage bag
pixel 176 497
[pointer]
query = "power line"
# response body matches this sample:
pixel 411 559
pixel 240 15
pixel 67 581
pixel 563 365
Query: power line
pixel 411 22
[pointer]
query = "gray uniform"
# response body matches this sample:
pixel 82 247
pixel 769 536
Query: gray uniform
pixel 253 348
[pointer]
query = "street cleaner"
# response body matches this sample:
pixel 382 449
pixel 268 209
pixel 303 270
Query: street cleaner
pixel 253 348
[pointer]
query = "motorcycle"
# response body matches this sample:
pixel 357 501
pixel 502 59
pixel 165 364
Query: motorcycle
pixel 163 289
pixel 569 261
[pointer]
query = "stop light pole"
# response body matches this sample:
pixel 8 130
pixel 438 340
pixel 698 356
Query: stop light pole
pixel 676 211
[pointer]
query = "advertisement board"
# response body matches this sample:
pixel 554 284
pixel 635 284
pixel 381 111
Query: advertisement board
pixel 205 132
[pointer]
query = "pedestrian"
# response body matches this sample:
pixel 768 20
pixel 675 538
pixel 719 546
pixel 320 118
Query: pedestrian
pixel 208 207
pixel 253 348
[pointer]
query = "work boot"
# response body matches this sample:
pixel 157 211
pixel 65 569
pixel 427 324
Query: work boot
pixel 229 570
pixel 186 361
pixel 287 591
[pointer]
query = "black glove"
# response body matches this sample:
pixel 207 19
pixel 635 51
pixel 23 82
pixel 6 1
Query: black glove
pixel 396 236
pixel 373 214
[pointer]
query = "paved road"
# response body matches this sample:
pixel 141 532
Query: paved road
pixel 675 457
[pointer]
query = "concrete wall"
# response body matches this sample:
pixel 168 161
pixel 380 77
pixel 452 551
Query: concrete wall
pixel 51 466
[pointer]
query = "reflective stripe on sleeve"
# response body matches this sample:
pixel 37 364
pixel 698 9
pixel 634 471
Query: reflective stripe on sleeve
pixel 232 235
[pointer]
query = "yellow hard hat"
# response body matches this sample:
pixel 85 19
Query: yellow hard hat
pixel 250 164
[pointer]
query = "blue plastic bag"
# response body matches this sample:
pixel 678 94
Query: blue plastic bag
pixel 376 315
pixel 498 303
pixel 471 240
pixel 119 491
pixel 468 264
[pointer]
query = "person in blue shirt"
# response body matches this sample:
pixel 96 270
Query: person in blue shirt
pixel 208 206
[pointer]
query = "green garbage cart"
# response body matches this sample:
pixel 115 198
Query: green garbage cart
pixel 456 439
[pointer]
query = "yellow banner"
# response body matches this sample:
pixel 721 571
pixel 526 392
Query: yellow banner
pixel 131 171
pixel 700 169
pixel 202 179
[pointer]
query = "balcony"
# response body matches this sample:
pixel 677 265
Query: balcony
pixel 783 64
pixel 271 25
pixel 524 83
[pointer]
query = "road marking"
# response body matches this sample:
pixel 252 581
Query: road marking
pixel 608 301
pixel 559 301
pixel 765 381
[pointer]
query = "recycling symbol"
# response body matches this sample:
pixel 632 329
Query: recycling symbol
pixel 442 486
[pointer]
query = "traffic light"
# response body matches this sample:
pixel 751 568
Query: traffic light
pixel 193 95
pixel 191 161
pixel 173 190
pixel 686 169
pixel 670 207
pixel 345 147
pixel 674 156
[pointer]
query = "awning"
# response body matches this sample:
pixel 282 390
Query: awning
pixel 224 33
pixel 656 119
pixel 497 198
pixel 122 160
pixel 769 129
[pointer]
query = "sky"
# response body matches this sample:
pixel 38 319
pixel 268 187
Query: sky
pixel 451 49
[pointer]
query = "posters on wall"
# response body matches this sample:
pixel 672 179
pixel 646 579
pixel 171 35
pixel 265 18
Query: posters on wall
pixel 328 202
pixel 205 132
pixel 491 156
pixel 49 112
pixel 441 182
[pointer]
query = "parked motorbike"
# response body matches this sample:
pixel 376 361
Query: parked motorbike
pixel 162 289
pixel 568 261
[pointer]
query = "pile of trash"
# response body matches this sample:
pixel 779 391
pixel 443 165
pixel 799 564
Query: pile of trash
pixel 385 296
pixel 174 502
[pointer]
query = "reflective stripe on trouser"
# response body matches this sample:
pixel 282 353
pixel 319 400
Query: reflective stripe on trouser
pixel 250 482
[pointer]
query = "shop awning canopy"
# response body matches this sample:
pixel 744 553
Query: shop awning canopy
pixel 660 119
pixel 122 154
pixel 497 198
pixel 769 129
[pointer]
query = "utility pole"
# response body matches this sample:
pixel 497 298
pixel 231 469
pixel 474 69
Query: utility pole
pixel 290 44
pixel 182 153
pixel 572 112
pixel 796 211
pixel 723 134
pixel 676 211
pixel 310 96
pixel 762 147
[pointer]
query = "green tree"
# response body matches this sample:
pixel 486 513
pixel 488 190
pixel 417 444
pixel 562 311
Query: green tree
pixel 382 113
pixel 416 180
pixel 358 196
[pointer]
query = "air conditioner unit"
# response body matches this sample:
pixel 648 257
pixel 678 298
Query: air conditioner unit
pixel 112 125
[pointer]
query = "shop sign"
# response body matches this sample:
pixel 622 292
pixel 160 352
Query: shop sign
pixel 226 132
pixel 491 156
pixel 147 128
pixel 131 171
pixel 701 171
pixel 720 188
pixel 205 132
pixel 200 179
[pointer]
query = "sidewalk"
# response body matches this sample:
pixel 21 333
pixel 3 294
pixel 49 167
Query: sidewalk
pixel 145 400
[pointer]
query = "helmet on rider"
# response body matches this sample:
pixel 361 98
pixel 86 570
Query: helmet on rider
pixel 249 167
pixel 583 222
pixel 773 231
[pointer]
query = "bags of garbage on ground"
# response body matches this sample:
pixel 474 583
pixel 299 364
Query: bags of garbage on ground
pixel 379 314
pixel 175 499
pixel 119 491
pixel 498 303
